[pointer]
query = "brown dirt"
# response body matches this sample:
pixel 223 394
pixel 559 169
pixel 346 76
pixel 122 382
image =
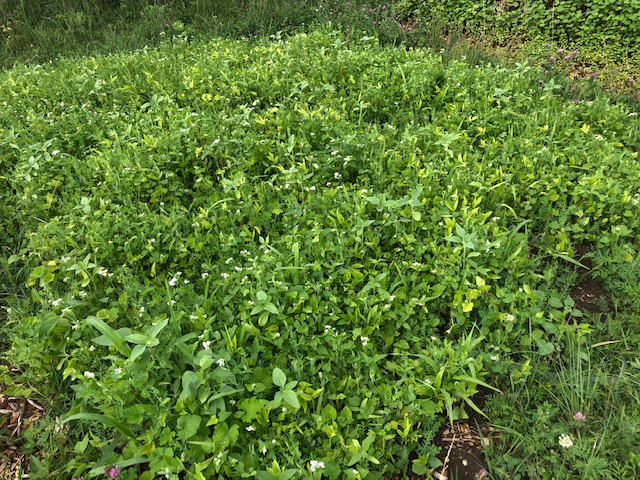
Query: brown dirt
pixel 462 453
pixel 16 413
pixel 589 295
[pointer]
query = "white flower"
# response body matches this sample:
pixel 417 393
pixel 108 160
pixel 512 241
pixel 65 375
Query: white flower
pixel 495 358
pixel 57 302
pixel 89 374
pixel 104 272
pixel 206 345
pixel 221 362
pixel 264 450
pixel 364 341
pixel 276 335
pixel 509 317
pixel 55 152
pixel 204 275
pixel 225 275
pixel 250 428
pixel 173 281
pixel 118 371
pixel 565 441
pixel 312 187
pixel 315 465
pixel 92 348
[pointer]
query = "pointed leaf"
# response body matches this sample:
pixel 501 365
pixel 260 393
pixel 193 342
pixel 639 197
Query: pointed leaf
pixel 279 378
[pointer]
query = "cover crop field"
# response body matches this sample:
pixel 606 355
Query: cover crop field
pixel 302 258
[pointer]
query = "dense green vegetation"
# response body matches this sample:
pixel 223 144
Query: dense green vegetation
pixel 300 256
pixel 603 32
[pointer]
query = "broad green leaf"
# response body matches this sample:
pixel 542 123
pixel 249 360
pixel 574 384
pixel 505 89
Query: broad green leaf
pixel 157 328
pixel 136 338
pixel 137 351
pixel 279 378
pixel 104 420
pixel 118 342
pixel 190 384
pixel 291 398
pixel 188 426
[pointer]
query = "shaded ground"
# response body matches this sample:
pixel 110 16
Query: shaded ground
pixel 16 414
pixel 462 451
pixel 589 295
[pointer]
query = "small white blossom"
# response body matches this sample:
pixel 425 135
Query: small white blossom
pixel 250 428
pixel 89 374
pixel 204 275
pixel 118 371
pixel 225 275
pixel 57 302
pixel 104 272
pixel 228 260
pixel 264 450
pixel 221 362
pixel 315 465
pixel 276 335
pixel 364 340
pixel 92 348
pixel 173 281
pixel 565 441
pixel 206 345
pixel 509 317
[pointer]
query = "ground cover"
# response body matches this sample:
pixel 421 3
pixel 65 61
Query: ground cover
pixel 544 33
pixel 305 258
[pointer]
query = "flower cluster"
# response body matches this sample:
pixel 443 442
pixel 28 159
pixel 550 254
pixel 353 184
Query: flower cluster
pixel 315 465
